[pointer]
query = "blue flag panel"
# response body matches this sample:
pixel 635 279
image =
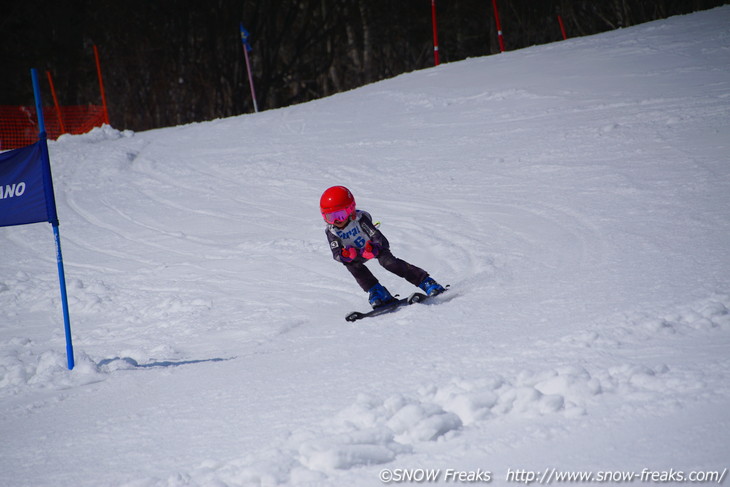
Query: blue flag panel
pixel 244 38
pixel 22 190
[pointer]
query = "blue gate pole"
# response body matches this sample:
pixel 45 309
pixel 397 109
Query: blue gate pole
pixel 52 217
pixel 64 298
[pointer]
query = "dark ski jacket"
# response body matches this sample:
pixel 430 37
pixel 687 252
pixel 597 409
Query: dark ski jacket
pixel 355 234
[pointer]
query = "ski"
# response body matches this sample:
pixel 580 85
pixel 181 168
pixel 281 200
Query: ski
pixel 416 297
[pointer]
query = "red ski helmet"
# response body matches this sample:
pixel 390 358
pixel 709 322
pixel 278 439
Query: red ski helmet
pixel 337 204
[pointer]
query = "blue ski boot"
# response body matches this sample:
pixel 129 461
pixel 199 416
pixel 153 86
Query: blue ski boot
pixel 379 296
pixel 431 287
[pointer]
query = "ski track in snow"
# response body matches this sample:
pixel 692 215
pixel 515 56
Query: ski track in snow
pixel 575 196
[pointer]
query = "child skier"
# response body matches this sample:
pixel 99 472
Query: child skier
pixel 354 240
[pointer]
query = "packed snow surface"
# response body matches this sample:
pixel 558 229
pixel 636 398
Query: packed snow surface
pixel 576 196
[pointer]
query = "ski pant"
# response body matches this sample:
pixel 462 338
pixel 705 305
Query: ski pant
pixel 366 279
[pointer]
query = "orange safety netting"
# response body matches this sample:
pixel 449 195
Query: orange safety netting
pixel 19 124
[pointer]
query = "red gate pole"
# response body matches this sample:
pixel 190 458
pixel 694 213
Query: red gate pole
pixel 101 85
pixel 55 102
pixel 562 27
pixel 499 26
pixel 435 34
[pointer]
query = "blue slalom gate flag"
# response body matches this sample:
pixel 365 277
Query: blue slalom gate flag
pixel 244 38
pixel 26 191
pixel 26 196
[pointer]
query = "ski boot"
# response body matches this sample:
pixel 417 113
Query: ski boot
pixel 379 296
pixel 431 287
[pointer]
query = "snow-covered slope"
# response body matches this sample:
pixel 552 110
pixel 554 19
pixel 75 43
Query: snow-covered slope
pixel 576 196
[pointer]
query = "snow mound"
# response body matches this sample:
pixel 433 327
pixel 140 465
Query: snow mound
pixel 95 135
pixel 21 368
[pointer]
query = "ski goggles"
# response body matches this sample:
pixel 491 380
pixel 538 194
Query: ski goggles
pixel 338 216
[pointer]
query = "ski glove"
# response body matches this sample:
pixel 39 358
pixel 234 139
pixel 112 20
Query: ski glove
pixel 348 254
pixel 370 250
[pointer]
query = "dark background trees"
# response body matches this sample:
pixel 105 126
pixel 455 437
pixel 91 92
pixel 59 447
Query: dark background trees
pixel 170 62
